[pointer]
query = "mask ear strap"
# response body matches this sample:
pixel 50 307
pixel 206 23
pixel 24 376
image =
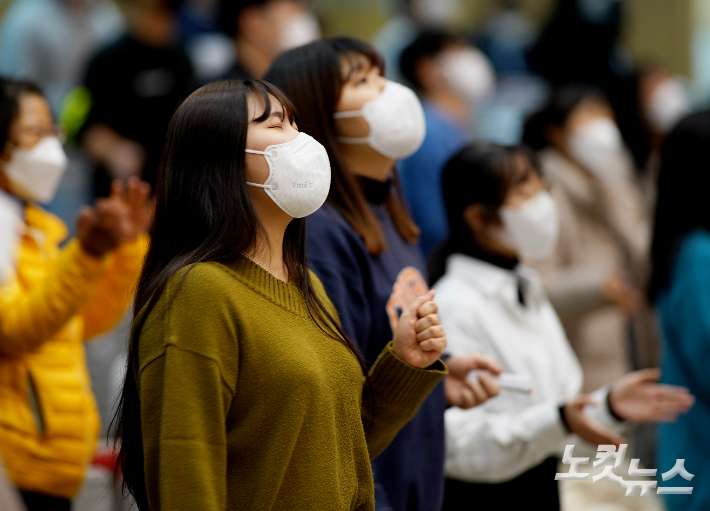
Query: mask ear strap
pixel 254 152
pixel 345 115
pixel 266 187
pixel 354 140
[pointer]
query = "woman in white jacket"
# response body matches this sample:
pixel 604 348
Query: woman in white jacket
pixel 505 452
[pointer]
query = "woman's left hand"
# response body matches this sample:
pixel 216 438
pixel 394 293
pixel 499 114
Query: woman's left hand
pixel 420 339
pixel 638 397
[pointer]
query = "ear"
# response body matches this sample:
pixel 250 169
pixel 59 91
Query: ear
pixel 475 217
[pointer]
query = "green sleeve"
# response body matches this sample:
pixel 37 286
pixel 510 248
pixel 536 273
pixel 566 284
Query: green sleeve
pixel 397 391
pixel 183 414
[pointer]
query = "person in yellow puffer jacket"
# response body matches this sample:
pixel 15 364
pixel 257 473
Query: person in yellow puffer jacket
pixel 52 299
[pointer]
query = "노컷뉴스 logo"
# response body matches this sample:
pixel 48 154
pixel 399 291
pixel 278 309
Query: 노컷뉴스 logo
pixel 605 453
pixel 302 185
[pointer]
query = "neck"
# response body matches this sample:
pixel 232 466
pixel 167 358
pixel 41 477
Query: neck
pixel 268 252
pixel 451 103
pixel 363 160
pixel 253 59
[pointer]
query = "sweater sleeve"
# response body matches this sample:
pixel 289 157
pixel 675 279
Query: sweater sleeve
pixel 183 414
pixel 30 318
pixel 115 290
pixel 397 391
pixel 189 361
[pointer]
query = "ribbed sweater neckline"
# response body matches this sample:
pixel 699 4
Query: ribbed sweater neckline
pixel 283 294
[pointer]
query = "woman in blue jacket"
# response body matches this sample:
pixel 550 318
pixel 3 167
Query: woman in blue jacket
pixel 362 243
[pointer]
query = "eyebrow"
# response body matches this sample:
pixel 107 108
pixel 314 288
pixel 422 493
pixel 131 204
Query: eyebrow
pixel 280 114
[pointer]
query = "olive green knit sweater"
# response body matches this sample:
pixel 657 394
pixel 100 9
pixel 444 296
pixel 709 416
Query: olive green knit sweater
pixel 247 405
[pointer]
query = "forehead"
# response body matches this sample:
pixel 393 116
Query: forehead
pixel 257 106
pixel 33 109
pixel 354 63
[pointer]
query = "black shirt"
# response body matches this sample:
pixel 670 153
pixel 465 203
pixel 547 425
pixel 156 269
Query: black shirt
pixel 135 89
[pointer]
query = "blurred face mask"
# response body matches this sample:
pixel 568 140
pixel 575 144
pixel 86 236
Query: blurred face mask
pixel 298 30
pixel 533 228
pixel 299 175
pixel 469 73
pixel 34 174
pixel 667 105
pixel 396 121
pixel 435 12
pixel 597 146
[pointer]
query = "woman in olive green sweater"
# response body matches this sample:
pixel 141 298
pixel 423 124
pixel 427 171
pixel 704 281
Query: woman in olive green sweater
pixel 242 390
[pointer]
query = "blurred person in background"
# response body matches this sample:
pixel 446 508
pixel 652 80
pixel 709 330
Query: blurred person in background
pixel 505 451
pixel 362 243
pixel 52 299
pixel 409 18
pixel 262 29
pixel 680 287
pixel 660 100
pixel 134 85
pixel 451 78
pixel 594 274
pixel 49 42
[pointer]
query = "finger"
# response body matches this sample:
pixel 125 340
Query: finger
pixel 85 217
pixel 478 391
pixel 489 384
pixel 437 344
pixel 426 322
pixel 414 306
pixel 427 308
pixel 430 333
pixel 468 399
pixel 116 189
pixel 487 363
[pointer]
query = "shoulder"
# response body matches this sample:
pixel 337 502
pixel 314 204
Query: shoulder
pixel 694 255
pixel 328 232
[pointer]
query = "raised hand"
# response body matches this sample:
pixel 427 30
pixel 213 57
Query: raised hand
pixel 419 338
pixel 121 217
pixel 639 397
pixel 586 427
pixel 466 393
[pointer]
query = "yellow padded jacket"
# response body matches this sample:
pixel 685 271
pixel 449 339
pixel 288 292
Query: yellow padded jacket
pixel 53 300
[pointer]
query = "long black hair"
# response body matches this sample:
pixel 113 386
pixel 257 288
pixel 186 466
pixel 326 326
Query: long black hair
pixel 312 78
pixel 203 212
pixel 683 185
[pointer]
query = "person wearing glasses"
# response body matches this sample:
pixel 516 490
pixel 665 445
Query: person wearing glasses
pixel 52 298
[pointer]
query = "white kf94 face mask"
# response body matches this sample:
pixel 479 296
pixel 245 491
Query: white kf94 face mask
pixel 299 175
pixel 34 174
pixel 532 228
pixel 396 120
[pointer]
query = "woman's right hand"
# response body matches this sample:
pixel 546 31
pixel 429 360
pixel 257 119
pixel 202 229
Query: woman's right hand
pixel 587 428
pixel 419 338
pixel 121 217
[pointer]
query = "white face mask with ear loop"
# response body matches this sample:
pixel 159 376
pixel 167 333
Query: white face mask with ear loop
pixel 34 174
pixel 299 175
pixel 396 121
pixel 469 73
pixel 532 228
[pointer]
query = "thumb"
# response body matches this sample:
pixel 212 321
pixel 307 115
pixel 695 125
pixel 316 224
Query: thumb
pixel 648 375
pixel 85 217
pixel 421 300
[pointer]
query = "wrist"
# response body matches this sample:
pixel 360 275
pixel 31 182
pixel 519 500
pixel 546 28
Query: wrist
pixel 91 250
pixel 610 406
